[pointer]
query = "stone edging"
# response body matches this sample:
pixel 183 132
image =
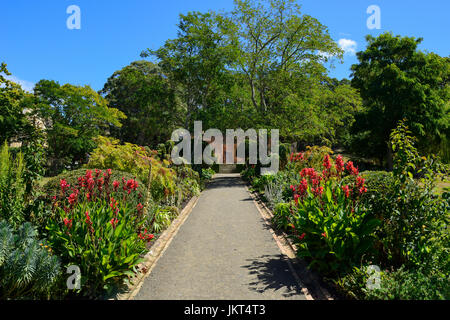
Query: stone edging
pixel 156 251
pixel 288 248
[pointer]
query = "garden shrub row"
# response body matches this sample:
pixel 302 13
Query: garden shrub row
pixel 342 221
pixel 99 219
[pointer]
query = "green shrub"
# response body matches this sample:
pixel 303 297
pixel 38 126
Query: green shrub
pixel 135 160
pixel 312 157
pixel 207 174
pixel 160 218
pixel 249 173
pixel 187 183
pixel 12 187
pixel 281 216
pixel 98 229
pixel 413 284
pixel 28 269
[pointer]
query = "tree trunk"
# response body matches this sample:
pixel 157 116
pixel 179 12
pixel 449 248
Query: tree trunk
pixel 389 158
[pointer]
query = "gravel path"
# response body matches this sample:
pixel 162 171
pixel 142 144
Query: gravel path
pixel 222 251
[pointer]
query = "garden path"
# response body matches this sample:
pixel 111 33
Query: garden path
pixel 224 250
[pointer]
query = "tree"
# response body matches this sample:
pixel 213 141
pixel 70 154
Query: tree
pixel 277 44
pixel 257 66
pixel 144 94
pixel 14 123
pixel 398 81
pixel 198 61
pixel 73 115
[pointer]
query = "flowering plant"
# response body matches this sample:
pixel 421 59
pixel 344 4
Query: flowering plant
pixel 330 226
pixel 97 229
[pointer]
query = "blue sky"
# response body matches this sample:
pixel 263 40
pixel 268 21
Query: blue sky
pixel 36 44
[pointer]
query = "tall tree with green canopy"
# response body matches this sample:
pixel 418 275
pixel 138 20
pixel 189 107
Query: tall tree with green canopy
pixel 148 99
pixel 253 67
pixel 278 45
pixel 73 115
pixel 198 60
pixel 398 81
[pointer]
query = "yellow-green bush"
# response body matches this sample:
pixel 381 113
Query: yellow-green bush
pixel 136 160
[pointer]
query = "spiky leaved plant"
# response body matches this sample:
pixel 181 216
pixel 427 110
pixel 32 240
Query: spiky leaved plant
pixel 28 269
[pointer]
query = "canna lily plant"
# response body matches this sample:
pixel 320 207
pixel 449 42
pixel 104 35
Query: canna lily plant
pixel 330 226
pixel 95 228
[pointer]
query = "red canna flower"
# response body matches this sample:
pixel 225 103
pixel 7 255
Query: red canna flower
pixel 324 235
pixel 116 185
pixel 317 191
pixel 339 164
pixel 327 162
pixel 351 168
pixel 72 198
pixel 88 174
pixel 64 185
pixel 68 223
pixel 114 222
pixel 302 236
pixel 346 190
pixel 303 186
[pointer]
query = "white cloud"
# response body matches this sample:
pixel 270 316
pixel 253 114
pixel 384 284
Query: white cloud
pixel 325 55
pixel 26 85
pixel 348 45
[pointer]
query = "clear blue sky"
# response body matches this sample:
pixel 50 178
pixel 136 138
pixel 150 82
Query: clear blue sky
pixel 36 43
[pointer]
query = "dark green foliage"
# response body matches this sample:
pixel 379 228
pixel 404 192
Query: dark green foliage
pixel 28 269
pixel 402 284
pixel 143 93
pixel 398 81
pixel 72 116
pixel 207 174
